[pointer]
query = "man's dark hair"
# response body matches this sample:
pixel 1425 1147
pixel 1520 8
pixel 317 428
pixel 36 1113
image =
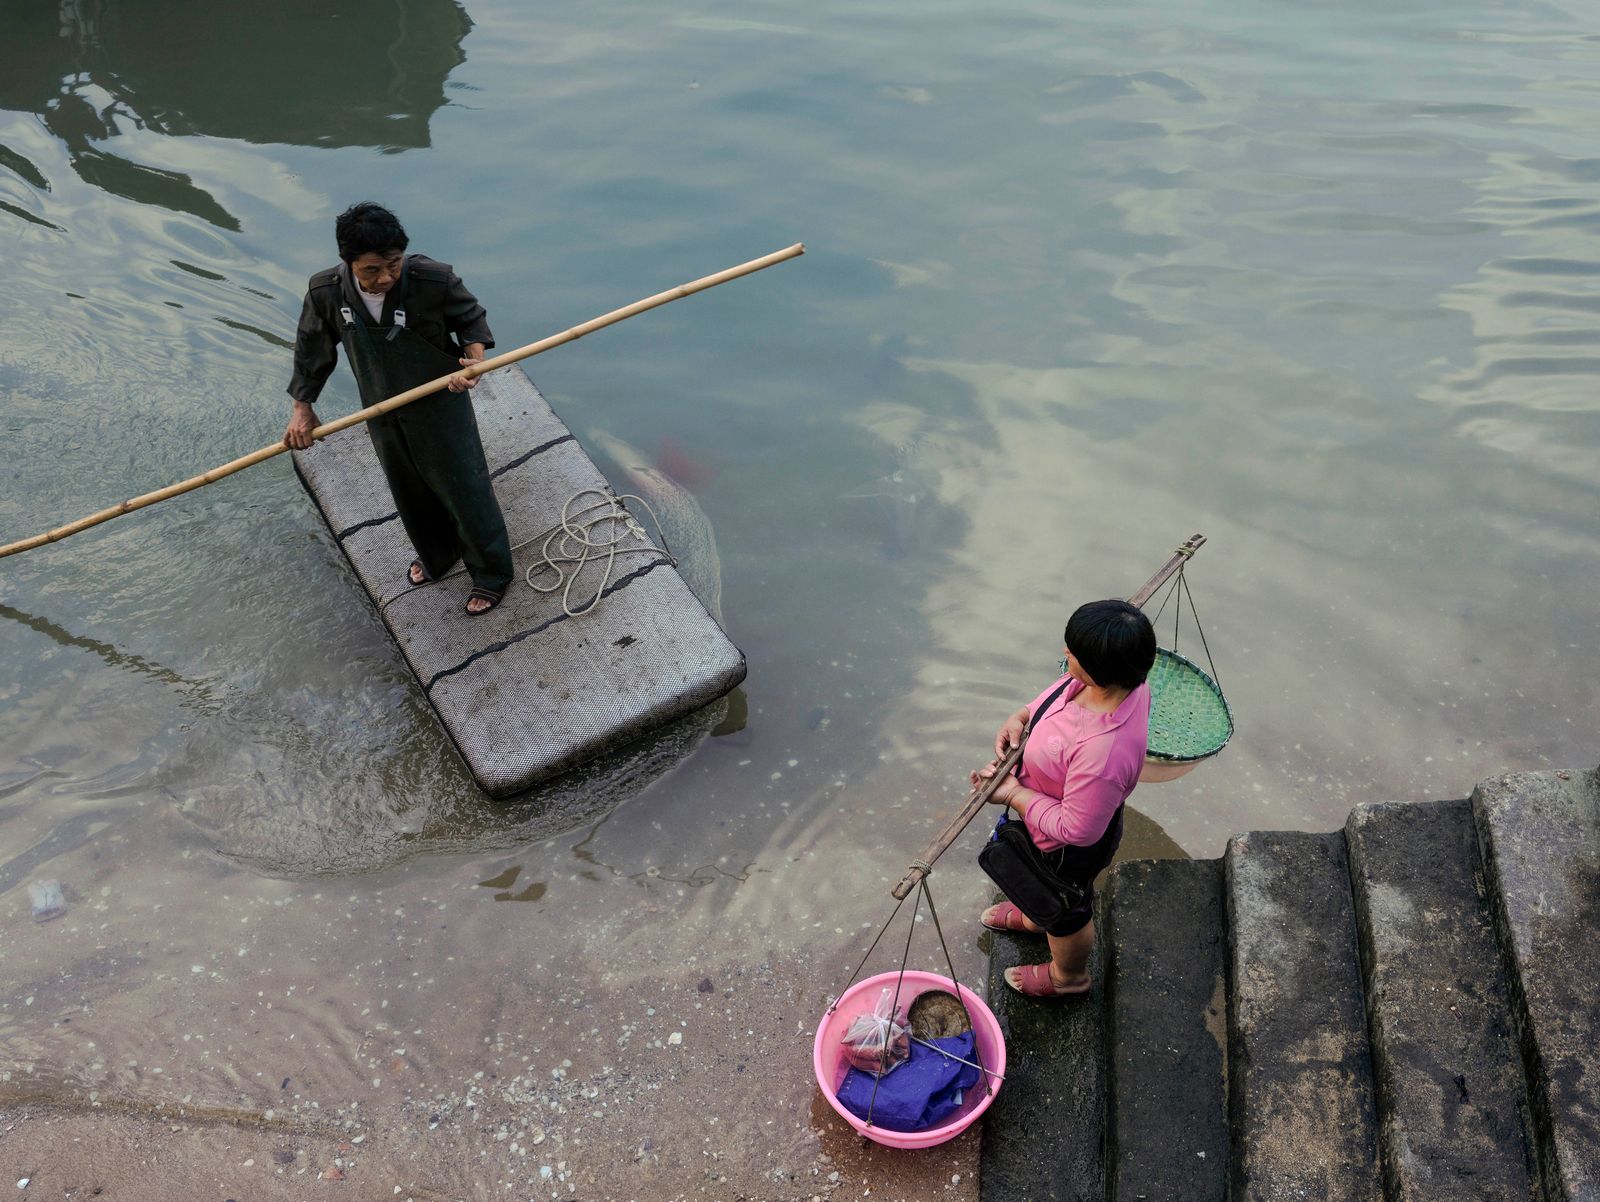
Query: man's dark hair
pixel 1114 642
pixel 368 227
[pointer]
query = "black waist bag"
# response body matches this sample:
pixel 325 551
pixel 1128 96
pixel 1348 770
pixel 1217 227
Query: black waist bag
pixel 1015 864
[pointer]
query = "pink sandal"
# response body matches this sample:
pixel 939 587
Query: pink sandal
pixel 1034 980
pixel 1006 917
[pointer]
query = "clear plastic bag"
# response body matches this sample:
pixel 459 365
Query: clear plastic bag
pixel 47 900
pixel 876 1040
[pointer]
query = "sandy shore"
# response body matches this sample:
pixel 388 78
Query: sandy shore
pixel 593 1031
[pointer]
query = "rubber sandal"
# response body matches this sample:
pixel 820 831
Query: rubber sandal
pixel 1005 917
pixel 416 566
pixel 1033 980
pixel 483 594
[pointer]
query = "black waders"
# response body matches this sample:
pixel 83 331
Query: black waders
pixel 430 450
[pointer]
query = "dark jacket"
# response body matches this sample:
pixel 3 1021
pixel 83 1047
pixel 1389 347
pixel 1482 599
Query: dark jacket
pixel 437 306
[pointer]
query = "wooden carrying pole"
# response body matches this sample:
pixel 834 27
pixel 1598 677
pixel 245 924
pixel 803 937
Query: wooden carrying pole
pixel 405 398
pixel 985 789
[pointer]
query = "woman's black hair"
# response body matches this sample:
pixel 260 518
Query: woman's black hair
pixel 1113 641
pixel 368 227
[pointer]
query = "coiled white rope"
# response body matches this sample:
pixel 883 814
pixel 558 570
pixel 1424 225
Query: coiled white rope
pixel 579 547
pixel 574 541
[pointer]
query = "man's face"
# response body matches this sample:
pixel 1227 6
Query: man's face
pixel 377 273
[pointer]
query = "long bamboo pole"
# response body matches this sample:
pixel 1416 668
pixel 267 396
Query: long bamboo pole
pixel 405 398
pixel 979 797
pixel 976 800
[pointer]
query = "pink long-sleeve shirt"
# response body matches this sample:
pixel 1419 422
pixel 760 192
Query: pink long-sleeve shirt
pixel 1082 764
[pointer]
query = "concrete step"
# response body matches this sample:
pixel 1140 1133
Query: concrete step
pixel 1166 1032
pixel 1042 1137
pixel 1450 1098
pixel 1299 1070
pixel 1540 837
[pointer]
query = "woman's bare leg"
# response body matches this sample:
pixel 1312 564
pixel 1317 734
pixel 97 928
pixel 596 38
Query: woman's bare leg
pixel 1069 957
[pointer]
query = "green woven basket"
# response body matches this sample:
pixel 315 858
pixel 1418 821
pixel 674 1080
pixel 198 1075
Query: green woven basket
pixel 1189 717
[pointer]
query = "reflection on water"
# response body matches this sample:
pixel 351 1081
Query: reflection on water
pixel 346 73
pixel 356 73
pixel 1333 315
pixel 898 501
pixel 196 692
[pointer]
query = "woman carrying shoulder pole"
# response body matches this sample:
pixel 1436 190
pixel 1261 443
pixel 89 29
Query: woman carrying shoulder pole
pixel 1084 751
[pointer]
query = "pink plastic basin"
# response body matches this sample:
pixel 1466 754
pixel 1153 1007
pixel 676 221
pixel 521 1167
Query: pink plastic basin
pixel 827 1055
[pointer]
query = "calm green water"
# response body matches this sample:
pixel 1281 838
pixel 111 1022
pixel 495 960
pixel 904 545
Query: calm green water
pixel 1319 281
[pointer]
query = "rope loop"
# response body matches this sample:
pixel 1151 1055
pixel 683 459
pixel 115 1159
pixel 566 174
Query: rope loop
pixel 593 531
pixel 923 893
pixel 573 541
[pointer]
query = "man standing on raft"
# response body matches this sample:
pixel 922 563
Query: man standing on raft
pixel 404 320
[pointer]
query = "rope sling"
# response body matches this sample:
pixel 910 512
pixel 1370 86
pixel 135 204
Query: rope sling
pixel 1190 719
pixel 991 1081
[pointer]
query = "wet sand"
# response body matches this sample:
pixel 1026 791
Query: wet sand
pixel 579 1019
pixel 636 1037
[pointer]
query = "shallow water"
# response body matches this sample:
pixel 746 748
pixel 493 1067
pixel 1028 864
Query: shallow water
pixel 1317 281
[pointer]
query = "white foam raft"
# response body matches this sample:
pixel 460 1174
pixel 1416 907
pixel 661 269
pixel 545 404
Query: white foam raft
pixel 526 692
